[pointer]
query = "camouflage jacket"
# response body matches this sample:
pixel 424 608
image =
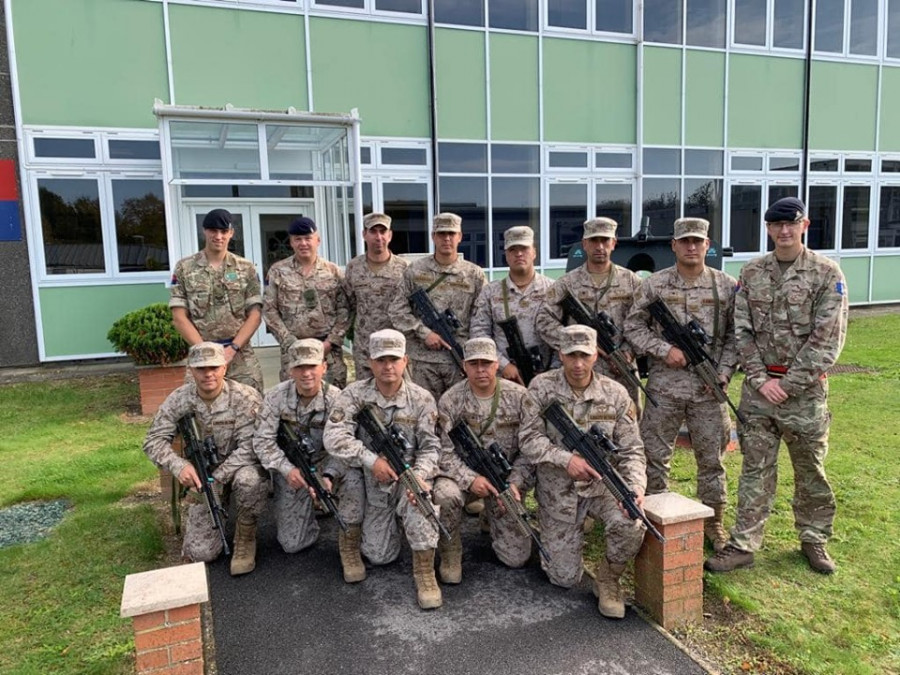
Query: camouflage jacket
pixel 369 293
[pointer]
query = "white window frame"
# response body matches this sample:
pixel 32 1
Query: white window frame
pixel 880 27
pixel 591 20
pixel 770 33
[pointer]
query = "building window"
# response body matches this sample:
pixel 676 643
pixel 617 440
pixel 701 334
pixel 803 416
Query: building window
pixel 614 16
pixel 829 26
pixel 71 226
pixel 706 23
pixel 778 24
pixel 407 205
pixel 745 218
pixel 750 22
pixel 508 158
pixel 864 27
pixel 789 25
pixel 855 221
pixel 514 201
pixel 134 150
pixel 662 21
pixel 459 12
pixel 662 204
pixel 893 29
pixel 514 14
pixel 404 6
pixel 889 217
pixel 462 158
pixel 567 14
pixel 615 200
pixel 65 148
pixel 467 197
pixel 822 211
pixel 140 216
pixel 567 210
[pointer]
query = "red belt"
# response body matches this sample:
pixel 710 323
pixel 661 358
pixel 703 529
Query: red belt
pixel 780 371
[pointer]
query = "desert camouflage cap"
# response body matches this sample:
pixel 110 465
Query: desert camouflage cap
pixel 447 222
pixel 691 227
pixel 521 235
pixel 373 219
pixel 307 352
pixel 206 354
pixel 480 349
pixel 578 339
pixel 387 342
pixel 599 227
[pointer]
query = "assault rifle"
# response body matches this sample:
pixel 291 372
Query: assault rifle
pixel 443 323
pixel 609 338
pixel 692 340
pixel 491 463
pixel 391 444
pixel 299 450
pixel 596 447
pixel 527 359
pixel 205 457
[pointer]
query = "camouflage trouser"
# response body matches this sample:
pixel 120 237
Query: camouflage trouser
pixel 361 367
pixel 295 516
pixel 380 528
pixel 202 542
pixel 435 377
pixel 802 421
pixel 337 369
pixel 710 429
pixel 244 368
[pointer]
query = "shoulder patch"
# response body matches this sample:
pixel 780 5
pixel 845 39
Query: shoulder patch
pixel 337 416
pixel 840 288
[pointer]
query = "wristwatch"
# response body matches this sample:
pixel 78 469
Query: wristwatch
pixel 233 346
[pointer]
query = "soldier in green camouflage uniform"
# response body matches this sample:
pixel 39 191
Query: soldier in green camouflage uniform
pixel 790 321
pixel 215 296
pixel 691 290
pixel 568 489
pixel 305 299
pixel 371 282
pixel 226 410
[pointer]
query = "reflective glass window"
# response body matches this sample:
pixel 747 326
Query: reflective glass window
pixel 365 155
pixel 703 162
pixel 614 16
pixel 746 163
pixel 789 24
pixel 567 13
pixel 355 4
pixel 829 29
pixel 406 6
pixel 662 21
pixel 124 149
pixel 662 161
pixel 745 217
pixel 893 29
pixel 217 150
pixel 407 205
pixel 706 23
pixel 404 156
pixel 777 192
pixel 662 204
pixel 140 225
pixel 462 158
pixel 514 202
pixel 236 245
pixel 568 210
pixel 784 163
pixel 467 197
pixel 855 224
pixel 889 216
pixel 460 12
pixel 515 158
pixel 864 27
pixel 703 199
pixel 858 165
pixel 82 148
pixel 71 225
pixel 823 165
pixel 750 22
pixel 514 14
pixel 614 160
pixel 890 166
pixel 568 160
pixel 614 200
pixel 822 216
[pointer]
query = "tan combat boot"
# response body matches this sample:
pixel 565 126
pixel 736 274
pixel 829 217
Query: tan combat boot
pixel 428 593
pixel 610 600
pixel 450 568
pixel 243 560
pixel 818 557
pixel 351 560
pixel 713 529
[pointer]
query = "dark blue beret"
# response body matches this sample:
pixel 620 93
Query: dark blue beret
pixel 786 209
pixel 217 219
pixel 302 226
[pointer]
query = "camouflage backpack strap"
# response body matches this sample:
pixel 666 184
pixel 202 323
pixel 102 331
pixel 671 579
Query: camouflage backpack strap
pixel 505 299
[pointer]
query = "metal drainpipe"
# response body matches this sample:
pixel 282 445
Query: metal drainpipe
pixel 432 82
pixel 804 171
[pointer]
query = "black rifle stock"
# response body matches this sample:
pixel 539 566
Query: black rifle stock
pixel 596 447
pixel 491 463
pixel 204 455
pixel 609 338
pixel 443 323
pixel 527 360
pixel 691 339
pixel 391 444
pixel 299 450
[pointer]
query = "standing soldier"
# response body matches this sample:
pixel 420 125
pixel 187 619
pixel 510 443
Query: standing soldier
pixel 600 285
pixel 225 410
pixel 518 296
pixel 568 489
pixel 791 321
pixel 452 284
pixel 304 403
pixel 691 290
pixel 370 283
pixel 412 409
pixel 215 296
pixel 305 299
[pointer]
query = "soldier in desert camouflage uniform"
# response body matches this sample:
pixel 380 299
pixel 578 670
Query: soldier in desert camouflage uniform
pixel 413 410
pixel 568 489
pixel 226 410
pixel 371 282
pixel 691 290
pixel 600 285
pixel 791 321
pixel 305 299
pixel 519 295
pixel 215 296
pixel 493 410
pixel 452 284
pixel 304 402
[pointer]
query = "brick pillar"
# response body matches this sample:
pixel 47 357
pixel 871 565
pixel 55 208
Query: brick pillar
pixel 157 382
pixel 669 577
pixel 165 608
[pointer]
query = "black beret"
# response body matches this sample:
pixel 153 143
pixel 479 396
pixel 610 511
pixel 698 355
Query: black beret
pixel 302 226
pixel 217 219
pixel 787 209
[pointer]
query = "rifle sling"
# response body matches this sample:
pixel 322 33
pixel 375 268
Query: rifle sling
pixel 437 282
pixel 495 403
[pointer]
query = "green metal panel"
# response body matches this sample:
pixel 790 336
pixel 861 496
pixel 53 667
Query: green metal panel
pixel 885 272
pixel 589 91
pixel 514 88
pixel 75 320
pixel 90 62
pixel 662 96
pixel 856 270
pixel 842 105
pixel 461 91
pixel 248 59
pixel 704 122
pixel 765 102
pixel 380 68
pixel 889 137
pixel 555 272
pixel 733 267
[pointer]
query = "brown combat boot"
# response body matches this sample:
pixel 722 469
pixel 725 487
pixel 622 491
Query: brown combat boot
pixel 243 560
pixel 351 560
pixel 729 559
pixel 610 600
pixel 428 593
pixel 713 529
pixel 817 557
pixel 450 568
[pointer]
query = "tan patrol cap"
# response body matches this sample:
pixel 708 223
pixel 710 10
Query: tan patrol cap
pixel 691 227
pixel 306 352
pixel 387 342
pixel 447 222
pixel 521 235
pixel 373 219
pixel 206 354
pixel 578 339
pixel 480 349
pixel 599 227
